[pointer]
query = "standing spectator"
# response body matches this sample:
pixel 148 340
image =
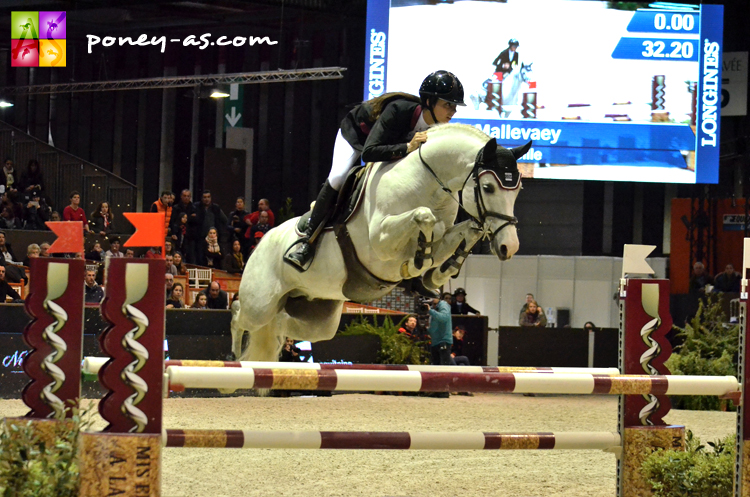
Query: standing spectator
pixel 32 252
pixel 9 178
pixel 263 206
pixel 94 293
pixel 175 300
pixel 441 336
pixel 457 349
pixel 31 179
pixel 177 259
pixel 212 250
pixel 533 316
pixel 258 230
pixel 74 213
pixel 237 226
pixel 6 252
pixel 164 206
pixel 217 298
pixel 37 212
pixel 209 216
pixel 409 329
pixel 189 226
pixel 700 279
pixel 44 249
pixel 114 249
pixel 234 263
pixel 101 220
pixel 169 263
pixel 5 289
pixel 728 281
pixel 589 326
pixel 460 306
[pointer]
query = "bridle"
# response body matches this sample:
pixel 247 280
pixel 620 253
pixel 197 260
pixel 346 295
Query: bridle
pixel 482 212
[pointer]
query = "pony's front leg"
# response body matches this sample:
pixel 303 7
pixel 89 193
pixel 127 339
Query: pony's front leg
pixel 458 241
pixel 390 235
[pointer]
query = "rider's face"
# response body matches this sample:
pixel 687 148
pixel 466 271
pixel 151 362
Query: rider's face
pixel 444 111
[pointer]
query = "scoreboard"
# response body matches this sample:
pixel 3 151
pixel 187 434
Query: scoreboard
pixel 617 91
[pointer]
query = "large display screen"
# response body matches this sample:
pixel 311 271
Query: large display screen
pixel 615 91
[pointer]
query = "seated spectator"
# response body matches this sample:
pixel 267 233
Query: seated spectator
pixel 101 221
pixel 94 293
pixel 589 326
pixel 533 316
pixel 75 213
pixel 234 263
pixel 200 302
pixel 728 281
pixel 36 212
pixel 254 218
pixel 529 298
pixel 216 297
pixel 409 329
pixel 96 253
pixel 32 252
pixel 168 284
pixel 10 199
pixel 460 306
pixel 263 225
pixel 6 290
pixel 6 252
pixel 290 352
pixel 212 249
pixel 237 226
pixel 177 260
pixel 55 216
pixel 175 300
pixel 130 253
pixel 8 219
pixel 31 179
pixel 153 253
pixel 457 349
pixel 114 249
pixel 14 272
pixel 169 263
pixel 168 247
pixel 9 179
pixel 44 249
pixel 700 278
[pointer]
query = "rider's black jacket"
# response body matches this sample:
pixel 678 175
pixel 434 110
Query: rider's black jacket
pixel 504 58
pixel 386 138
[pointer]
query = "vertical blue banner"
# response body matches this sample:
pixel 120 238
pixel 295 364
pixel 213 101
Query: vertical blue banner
pixel 708 104
pixel 376 47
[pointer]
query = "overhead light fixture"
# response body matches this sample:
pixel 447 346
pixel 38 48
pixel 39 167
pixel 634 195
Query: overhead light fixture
pixel 220 91
pixel 5 103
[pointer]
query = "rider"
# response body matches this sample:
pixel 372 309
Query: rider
pixel 385 128
pixel 508 58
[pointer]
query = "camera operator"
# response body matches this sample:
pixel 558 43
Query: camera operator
pixel 441 334
pixel 37 212
pixel 290 352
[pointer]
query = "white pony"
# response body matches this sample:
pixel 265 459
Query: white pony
pixel 512 88
pixel 405 205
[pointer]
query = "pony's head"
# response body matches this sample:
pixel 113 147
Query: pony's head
pixel 490 194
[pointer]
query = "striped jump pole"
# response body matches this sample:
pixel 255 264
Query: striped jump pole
pixel 91 365
pixel 359 440
pixel 418 381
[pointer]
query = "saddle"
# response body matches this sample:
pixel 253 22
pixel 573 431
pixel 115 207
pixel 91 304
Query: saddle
pixel 361 285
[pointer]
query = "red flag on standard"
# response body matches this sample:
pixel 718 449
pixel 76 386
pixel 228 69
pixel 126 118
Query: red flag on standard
pixel 69 237
pixel 149 230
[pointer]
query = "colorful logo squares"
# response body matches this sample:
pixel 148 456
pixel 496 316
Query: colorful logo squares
pixel 38 39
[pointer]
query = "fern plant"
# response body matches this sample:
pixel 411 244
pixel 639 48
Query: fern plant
pixel 395 348
pixel 285 212
pixel 709 348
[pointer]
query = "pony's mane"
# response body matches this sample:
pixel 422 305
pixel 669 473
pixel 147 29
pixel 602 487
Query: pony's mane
pixel 458 126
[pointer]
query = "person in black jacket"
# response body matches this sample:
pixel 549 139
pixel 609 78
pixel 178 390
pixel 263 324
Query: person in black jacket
pixel 5 289
pixel 459 305
pixel 508 58
pixel 382 129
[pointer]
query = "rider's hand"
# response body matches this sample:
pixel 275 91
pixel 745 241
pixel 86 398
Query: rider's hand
pixel 420 137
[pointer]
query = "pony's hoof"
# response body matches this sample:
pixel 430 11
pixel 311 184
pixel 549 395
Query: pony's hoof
pixel 231 357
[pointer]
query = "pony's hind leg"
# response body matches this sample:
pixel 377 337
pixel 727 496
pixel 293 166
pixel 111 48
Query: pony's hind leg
pixel 265 345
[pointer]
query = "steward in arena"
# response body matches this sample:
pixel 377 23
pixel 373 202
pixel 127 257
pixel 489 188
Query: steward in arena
pixel 385 128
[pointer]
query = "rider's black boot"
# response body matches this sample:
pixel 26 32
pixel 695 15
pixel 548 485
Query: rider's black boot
pixel 302 252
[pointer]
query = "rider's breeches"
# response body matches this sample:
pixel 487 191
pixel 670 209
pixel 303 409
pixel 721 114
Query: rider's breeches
pixel 344 157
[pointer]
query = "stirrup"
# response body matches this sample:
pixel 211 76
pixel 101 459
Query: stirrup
pixel 294 263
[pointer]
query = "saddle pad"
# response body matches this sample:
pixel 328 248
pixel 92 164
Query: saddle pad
pixel 348 200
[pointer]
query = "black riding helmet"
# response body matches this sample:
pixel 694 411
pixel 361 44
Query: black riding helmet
pixel 444 85
pixel 513 41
